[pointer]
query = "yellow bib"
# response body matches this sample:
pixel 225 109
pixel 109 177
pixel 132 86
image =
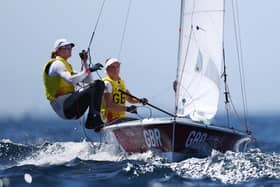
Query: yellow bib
pixel 54 85
pixel 118 98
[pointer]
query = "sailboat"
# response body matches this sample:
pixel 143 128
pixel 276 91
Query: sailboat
pixel 189 132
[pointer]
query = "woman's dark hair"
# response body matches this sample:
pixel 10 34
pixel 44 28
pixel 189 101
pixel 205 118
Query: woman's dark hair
pixel 53 55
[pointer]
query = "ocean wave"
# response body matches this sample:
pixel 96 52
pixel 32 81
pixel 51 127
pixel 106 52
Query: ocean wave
pixel 227 168
pixel 11 152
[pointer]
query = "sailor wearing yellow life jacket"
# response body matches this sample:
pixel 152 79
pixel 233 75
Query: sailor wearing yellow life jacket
pixel 60 81
pixel 113 107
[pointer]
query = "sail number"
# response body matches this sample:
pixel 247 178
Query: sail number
pixel 152 137
pixel 195 137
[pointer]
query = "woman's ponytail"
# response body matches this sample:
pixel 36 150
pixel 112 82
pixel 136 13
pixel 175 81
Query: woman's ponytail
pixel 53 55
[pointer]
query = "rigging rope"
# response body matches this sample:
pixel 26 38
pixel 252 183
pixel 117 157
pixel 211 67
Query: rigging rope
pixel 87 138
pixel 240 59
pixel 124 29
pixel 95 27
pixel 90 58
pixel 93 32
pixel 82 121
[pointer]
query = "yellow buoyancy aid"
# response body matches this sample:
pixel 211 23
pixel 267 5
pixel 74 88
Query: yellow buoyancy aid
pixel 54 85
pixel 118 98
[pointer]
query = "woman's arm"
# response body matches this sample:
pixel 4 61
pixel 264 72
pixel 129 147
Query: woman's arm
pixel 58 68
pixel 131 99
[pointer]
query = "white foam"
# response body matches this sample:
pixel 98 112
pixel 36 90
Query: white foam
pixel 63 152
pixel 6 141
pixel 28 178
pixel 231 167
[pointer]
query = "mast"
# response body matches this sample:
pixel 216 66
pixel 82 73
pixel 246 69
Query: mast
pixel 224 75
pixel 226 89
pixel 176 86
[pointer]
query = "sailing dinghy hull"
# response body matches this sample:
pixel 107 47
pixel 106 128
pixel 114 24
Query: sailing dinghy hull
pixel 176 139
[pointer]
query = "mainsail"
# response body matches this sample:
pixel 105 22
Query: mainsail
pixel 200 58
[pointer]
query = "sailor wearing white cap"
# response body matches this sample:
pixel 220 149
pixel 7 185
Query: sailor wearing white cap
pixel 60 81
pixel 114 106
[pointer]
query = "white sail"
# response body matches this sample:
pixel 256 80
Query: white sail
pixel 200 58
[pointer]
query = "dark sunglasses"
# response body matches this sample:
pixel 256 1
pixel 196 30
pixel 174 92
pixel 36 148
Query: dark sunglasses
pixel 66 47
pixel 114 66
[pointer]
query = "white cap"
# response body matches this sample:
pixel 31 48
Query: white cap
pixel 110 61
pixel 61 42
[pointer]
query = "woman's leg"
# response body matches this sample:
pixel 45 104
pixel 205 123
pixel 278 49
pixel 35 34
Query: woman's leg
pixel 76 105
pixel 94 120
pixel 97 95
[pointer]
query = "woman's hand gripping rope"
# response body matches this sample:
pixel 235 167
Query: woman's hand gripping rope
pixel 84 56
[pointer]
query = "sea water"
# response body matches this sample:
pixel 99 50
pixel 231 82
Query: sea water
pixel 53 152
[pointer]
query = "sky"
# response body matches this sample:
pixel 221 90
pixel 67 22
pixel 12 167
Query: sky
pixel 149 51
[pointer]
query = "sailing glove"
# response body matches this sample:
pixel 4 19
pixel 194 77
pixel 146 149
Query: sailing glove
pixel 132 109
pixel 144 101
pixel 96 67
pixel 83 55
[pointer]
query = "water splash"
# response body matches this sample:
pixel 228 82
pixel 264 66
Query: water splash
pixel 11 152
pixel 231 167
pixel 228 168
pixel 59 153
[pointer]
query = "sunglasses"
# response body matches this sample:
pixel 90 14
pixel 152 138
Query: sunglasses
pixel 114 66
pixel 66 47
